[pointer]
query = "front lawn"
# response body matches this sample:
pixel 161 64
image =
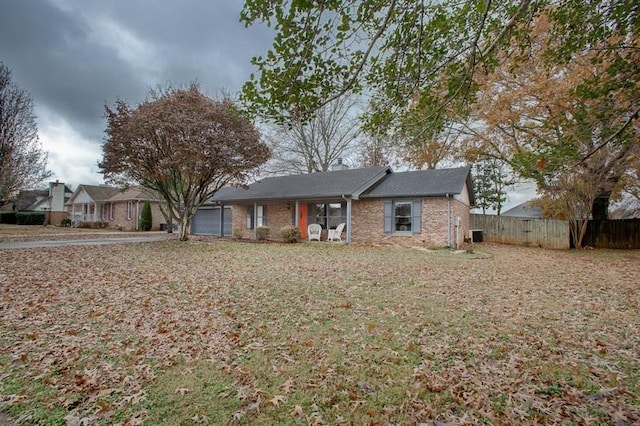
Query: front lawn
pixel 223 332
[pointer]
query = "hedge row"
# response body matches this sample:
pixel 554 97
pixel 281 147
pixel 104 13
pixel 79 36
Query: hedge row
pixel 8 217
pixel 30 218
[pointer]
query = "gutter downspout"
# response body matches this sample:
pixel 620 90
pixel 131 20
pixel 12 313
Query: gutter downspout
pixel 449 220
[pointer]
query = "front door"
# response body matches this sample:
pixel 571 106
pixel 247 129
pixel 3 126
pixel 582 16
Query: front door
pixel 302 220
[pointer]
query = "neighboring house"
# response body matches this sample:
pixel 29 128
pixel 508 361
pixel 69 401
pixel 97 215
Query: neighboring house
pixel 53 204
pixel 526 209
pixel 25 199
pixel 86 205
pixel 124 209
pixel 113 207
pixel 51 201
pixel 428 207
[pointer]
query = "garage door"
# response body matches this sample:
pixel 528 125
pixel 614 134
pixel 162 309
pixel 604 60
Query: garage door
pixel 206 221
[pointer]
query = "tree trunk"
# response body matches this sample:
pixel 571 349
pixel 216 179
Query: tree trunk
pixel 184 225
pixel 600 208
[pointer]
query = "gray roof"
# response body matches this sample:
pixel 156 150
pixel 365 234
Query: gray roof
pixel 135 193
pixel 423 183
pixel 96 192
pixel 526 209
pixel 374 182
pixel 323 185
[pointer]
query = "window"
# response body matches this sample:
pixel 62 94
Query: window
pixel 331 214
pixel 335 215
pixel 111 215
pixel 402 216
pixel 129 210
pixel 261 216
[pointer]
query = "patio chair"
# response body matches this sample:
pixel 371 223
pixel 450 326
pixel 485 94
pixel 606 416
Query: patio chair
pixel 335 234
pixel 313 231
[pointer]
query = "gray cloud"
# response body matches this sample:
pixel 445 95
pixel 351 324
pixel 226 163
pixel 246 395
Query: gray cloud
pixel 74 56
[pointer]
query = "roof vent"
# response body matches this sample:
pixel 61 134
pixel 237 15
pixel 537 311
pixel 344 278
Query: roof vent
pixel 339 165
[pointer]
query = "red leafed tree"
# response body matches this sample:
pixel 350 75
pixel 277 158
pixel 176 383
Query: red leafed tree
pixel 182 144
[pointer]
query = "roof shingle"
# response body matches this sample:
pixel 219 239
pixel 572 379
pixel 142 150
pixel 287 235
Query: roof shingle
pixel 334 184
pixel 421 183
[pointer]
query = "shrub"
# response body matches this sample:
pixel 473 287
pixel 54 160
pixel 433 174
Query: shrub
pixel 146 219
pixel 30 218
pixel 262 232
pixel 290 234
pixel 92 225
pixel 238 233
pixel 8 217
pixel 65 222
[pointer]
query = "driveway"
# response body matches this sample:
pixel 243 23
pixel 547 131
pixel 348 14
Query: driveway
pixel 84 242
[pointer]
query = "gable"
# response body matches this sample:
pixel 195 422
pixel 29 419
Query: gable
pixel 80 197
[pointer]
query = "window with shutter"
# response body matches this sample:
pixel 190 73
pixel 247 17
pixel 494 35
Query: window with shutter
pixel 403 216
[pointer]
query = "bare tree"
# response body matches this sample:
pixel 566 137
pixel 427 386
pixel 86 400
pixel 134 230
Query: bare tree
pixel 314 145
pixel 22 160
pixel 182 144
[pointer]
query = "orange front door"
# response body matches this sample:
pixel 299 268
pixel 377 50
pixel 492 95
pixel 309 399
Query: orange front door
pixel 302 220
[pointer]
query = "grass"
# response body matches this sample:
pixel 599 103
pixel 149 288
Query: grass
pixel 226 332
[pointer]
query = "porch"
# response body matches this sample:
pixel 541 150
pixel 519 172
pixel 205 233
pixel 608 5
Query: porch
pixel 328 213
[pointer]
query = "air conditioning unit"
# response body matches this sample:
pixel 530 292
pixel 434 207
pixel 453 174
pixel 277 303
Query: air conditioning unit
pixel 475 235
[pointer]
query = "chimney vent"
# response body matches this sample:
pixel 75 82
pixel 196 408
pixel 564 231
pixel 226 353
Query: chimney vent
pixel 339 165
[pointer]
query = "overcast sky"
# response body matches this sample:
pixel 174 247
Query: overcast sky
pixel 74 56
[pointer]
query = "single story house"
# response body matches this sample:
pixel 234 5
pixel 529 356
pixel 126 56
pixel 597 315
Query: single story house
pixel 425 207
pixel 113 207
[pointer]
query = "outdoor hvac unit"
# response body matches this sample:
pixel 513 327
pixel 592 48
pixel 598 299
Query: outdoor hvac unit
pixel 476 235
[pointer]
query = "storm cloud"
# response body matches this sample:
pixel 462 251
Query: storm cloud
pixel 74 56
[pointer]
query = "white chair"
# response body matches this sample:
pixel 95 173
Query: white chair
pixel 335 234
pixel 313 231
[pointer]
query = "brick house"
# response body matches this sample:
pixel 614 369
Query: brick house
pixel 115 208
pixel 426 207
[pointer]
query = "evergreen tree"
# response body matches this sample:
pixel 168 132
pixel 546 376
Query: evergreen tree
pixel 146 219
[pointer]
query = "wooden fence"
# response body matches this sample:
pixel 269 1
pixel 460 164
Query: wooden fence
pixel 547 233
pixel 614 234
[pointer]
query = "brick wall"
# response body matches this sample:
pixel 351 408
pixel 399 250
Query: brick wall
pixel 278 215
pixel 368 223
pixel 121 221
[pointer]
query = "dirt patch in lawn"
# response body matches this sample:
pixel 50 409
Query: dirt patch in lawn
pixel 215 332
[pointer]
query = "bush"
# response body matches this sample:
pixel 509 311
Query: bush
pixel 30 218
pixel 262 232
pixel 146 220
pixel 8 217
pixel 92 225
pixel 290 234
pixel 65 222
pixel 238 233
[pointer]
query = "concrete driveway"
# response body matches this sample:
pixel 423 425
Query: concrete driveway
pixel 84 242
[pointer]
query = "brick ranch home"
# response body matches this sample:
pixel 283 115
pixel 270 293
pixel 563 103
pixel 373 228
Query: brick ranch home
pixel 426 207
pixel 116 208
